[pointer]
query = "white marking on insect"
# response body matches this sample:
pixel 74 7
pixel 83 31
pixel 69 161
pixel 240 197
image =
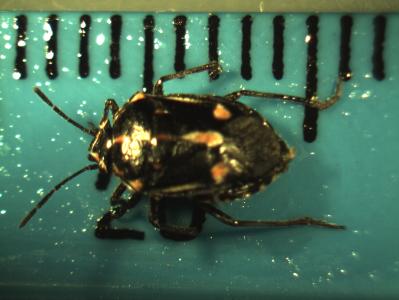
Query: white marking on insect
pixel 109 144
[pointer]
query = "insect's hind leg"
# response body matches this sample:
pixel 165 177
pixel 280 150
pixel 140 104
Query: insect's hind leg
pixel 118 209
pixel 314 102
pixel 213 68
pixel 226 219
pixel 173 232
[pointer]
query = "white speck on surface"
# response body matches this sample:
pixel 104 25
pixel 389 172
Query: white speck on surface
pixel 366 95
pixel 346 113
pixel 48 32
pixel 187 43
pixel 16 75
pixel 355 254
pixel 100 39
pixel 50 55
pixel 40 192
pixel 21 43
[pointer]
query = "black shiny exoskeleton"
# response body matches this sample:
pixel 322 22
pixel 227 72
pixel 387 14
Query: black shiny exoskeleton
pixel 185 147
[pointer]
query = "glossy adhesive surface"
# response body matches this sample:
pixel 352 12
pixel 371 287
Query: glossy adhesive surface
pixel 348 175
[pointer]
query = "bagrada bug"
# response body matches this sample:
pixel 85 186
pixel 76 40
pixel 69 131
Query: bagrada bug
pixel 194 148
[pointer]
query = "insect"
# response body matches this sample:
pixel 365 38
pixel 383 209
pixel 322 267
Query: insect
pixel 192 148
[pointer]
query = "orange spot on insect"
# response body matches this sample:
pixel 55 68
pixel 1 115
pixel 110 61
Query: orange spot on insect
pixel 119 139
pixel 136 184
pixel 219 171
pixel 138 96
pixel 164 137
pixel 210 138
pixel 221 112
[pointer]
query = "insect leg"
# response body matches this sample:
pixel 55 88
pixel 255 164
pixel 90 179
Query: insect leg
pixel 110 104
pixel 313 102
pixel 226 219
pixel 103 179
pixel 177 233
pixel 118 209
pixel 213 67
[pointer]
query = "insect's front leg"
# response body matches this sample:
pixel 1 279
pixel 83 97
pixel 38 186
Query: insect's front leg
pixel 213 68
pixel 110 104
pixel 226 219
pixel 118 209
pixel 178 233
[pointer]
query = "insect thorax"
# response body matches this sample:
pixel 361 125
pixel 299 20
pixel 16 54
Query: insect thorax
pixel 131 142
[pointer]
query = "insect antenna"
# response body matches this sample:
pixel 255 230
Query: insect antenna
pixel 61 113
pixel 49 194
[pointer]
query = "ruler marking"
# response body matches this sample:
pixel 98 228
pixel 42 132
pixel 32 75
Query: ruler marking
pixel 311 114
pixel 116 30
pixel 278 47
pixel 52 47
pixel 246 69
pixel 378 54
pixel 345 71
pixel 148 77
pixel 84 31
pixel 213 41
pixel 179 23
pixel 20 46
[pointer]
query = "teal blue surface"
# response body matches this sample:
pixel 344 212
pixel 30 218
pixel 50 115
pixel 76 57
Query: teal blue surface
pixel 349 175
